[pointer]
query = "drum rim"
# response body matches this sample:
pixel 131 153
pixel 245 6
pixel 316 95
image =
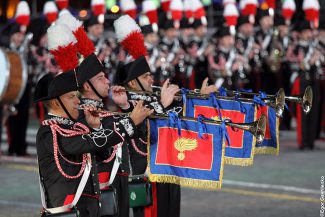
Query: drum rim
pixel 7 73
pixel 24 78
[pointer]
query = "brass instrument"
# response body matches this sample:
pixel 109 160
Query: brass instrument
pixel 305 101
pixel 256 128
pixel 275 101
pixel 276 53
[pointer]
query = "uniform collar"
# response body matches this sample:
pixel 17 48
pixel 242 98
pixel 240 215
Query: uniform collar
pixel 54 119
pixel 96 103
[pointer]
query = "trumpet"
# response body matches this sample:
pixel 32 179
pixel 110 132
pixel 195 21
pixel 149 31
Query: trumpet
pixel 277 101
pixel 256 128
pixel 306 100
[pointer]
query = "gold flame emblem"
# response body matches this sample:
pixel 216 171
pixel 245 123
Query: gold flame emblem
pixel 185 144
pixel 217 118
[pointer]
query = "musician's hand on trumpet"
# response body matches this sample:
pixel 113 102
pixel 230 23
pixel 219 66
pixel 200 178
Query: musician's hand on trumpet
pixel 207 89
pixel 168 93
pixel 119 97
pixel 140 112
pixel 91 115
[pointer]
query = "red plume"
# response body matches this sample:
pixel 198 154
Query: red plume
pixel 66 57
pixel 134 44
pixel 84 45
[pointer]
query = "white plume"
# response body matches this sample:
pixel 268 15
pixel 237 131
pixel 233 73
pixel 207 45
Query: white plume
pixel 22 9
pixel 59 35
pixel 124 26
pixel 127 5
pixel 289 4
pixel 310 4
pixel 49 7
pixel 70 21
pixel 230 10
pixel 148 5
pixel 97 2
pixel 176 5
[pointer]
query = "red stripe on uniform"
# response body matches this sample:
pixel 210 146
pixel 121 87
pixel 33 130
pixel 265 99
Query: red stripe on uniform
pixel 151 211
pixel 296 91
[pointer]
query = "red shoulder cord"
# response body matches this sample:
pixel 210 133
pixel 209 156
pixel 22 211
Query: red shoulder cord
pixel 77 130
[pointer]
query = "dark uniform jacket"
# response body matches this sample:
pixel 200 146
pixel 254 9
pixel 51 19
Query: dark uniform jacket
pixel 60 190
pixel 126 130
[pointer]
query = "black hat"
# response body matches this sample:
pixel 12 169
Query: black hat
pixel 39 28
pixel 131 70
pixel 197 23
pixel 263 13
pixel 168 24
pixel 242 20
pixel 279 20
pixel 93 20
pixel 12 27
pixel 223 31
pixel 41 89
pixel 59 85
pixel 89 67
pixel 147 29
pixel 185 23
pixel 303 25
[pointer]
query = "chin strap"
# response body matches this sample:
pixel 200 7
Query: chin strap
pixel 94 89
pixel 65 109
pixel 140 84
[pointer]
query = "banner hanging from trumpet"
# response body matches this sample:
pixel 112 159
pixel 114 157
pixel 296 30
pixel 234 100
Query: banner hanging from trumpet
pixel 240 151
pixel 184 152
pixel 270 144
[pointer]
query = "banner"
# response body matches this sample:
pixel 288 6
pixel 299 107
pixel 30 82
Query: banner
pixel 271 143
pixel 184 152
pixel 240 151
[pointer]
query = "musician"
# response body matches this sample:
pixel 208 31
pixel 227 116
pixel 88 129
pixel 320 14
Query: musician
pixel 280 46
pixel 198 51
pixel 245 46
pixel 307 73
pixel 106 48
pixel 170 48
pixel 264 36
pixel 136 75
pixel 17 123
pixel 60 177
pixel 223 62
pixel 186 31
pixel 151 40
pixel 94 86
pixel 41 61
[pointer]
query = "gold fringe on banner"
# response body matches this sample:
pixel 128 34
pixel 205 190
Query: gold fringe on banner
pixel 271 150
pixel 182 181
pixel 244 161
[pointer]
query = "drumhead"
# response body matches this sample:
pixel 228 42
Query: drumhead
pixel 24 79
pixel 5 72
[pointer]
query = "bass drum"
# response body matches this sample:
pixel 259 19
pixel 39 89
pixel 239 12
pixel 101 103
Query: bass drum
pixel 13 77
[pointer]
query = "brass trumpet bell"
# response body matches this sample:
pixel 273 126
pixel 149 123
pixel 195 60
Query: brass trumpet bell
pixel 305 101
pixel 279 102
pixel 256 128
